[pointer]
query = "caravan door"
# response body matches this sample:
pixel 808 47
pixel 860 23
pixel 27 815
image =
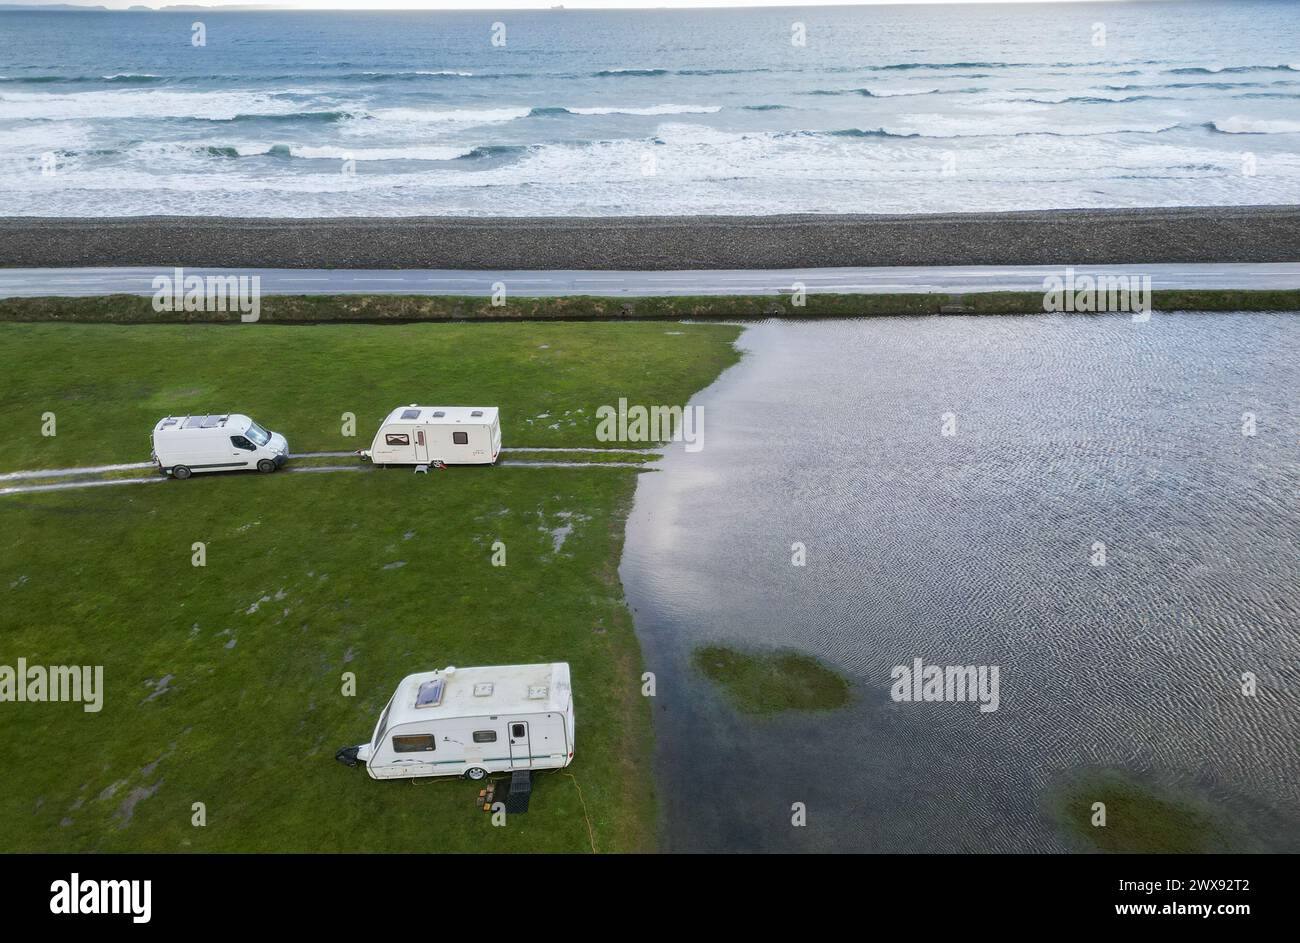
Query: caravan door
pixel 421 444
pixel 521 751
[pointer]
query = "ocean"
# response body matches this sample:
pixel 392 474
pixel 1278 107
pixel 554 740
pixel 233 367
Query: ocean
pixel 889 109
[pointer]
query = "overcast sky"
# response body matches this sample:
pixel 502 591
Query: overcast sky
pixel 509 4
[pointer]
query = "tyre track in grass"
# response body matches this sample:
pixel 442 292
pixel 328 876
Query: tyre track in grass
pixel 150 479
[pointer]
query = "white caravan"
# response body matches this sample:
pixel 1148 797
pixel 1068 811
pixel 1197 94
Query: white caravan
pixel 183 445
pixel 432 435
pixel 471 722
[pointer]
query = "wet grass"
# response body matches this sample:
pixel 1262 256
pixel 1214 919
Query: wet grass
pixel 760 682
pixel 224 684
pixel 591 458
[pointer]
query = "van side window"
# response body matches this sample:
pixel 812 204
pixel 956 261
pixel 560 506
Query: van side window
pixel 485 736
pixel 415 743
pixel 460 438
pixel 392 438
pixel 239 442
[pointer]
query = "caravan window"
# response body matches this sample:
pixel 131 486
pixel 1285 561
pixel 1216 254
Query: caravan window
pixel 460 438
pixel 415 743
pixel 383 725
pixel 485 736
pixel 393 438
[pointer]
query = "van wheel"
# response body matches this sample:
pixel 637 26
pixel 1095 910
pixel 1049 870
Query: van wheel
pixel 266 466
pixel 476 774
pixel 181 472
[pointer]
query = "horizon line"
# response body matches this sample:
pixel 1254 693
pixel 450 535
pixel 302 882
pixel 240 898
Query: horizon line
pixel 64 6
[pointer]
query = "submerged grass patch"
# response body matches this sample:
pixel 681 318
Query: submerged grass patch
pixel 770 682
pixel 224 683
pixel 1140 818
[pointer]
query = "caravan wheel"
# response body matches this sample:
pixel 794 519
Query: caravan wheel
pixel 476 774
pixel 181 472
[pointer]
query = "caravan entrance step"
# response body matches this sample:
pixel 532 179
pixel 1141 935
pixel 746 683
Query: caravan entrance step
pixel 521 789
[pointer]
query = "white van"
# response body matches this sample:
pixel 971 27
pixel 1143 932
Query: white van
pixel 471 722
pixel 431 435
pixel 183 445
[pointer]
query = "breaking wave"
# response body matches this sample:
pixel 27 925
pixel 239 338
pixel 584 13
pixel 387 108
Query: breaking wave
pixel 1238 125
pixel 631 110
pixel 1218 70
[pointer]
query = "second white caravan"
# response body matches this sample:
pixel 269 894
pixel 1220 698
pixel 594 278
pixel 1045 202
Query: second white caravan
pixel 437 435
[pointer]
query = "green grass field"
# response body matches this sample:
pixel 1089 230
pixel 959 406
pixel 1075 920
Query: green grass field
pixel 223 683
pixel 108 384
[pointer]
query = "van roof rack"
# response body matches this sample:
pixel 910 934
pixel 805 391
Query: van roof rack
pixel 204 422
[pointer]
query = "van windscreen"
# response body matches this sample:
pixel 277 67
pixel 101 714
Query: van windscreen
pixel 257 434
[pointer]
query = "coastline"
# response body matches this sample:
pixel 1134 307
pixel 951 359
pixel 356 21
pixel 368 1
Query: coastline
pixel 656 243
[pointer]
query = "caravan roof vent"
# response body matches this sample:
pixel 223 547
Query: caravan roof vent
pixel 483 689
pixel 537 692
pixel 410 414
pixel 477 412
pixel 438 414
pixel 430 693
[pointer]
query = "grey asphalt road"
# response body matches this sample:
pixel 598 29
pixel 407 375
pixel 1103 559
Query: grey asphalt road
pixel 34 282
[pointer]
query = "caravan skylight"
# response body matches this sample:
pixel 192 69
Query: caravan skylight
pixel 430 694
pixel 410 414
pixel 438 414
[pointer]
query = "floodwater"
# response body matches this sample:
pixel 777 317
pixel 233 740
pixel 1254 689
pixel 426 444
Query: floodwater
pixel 978 548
